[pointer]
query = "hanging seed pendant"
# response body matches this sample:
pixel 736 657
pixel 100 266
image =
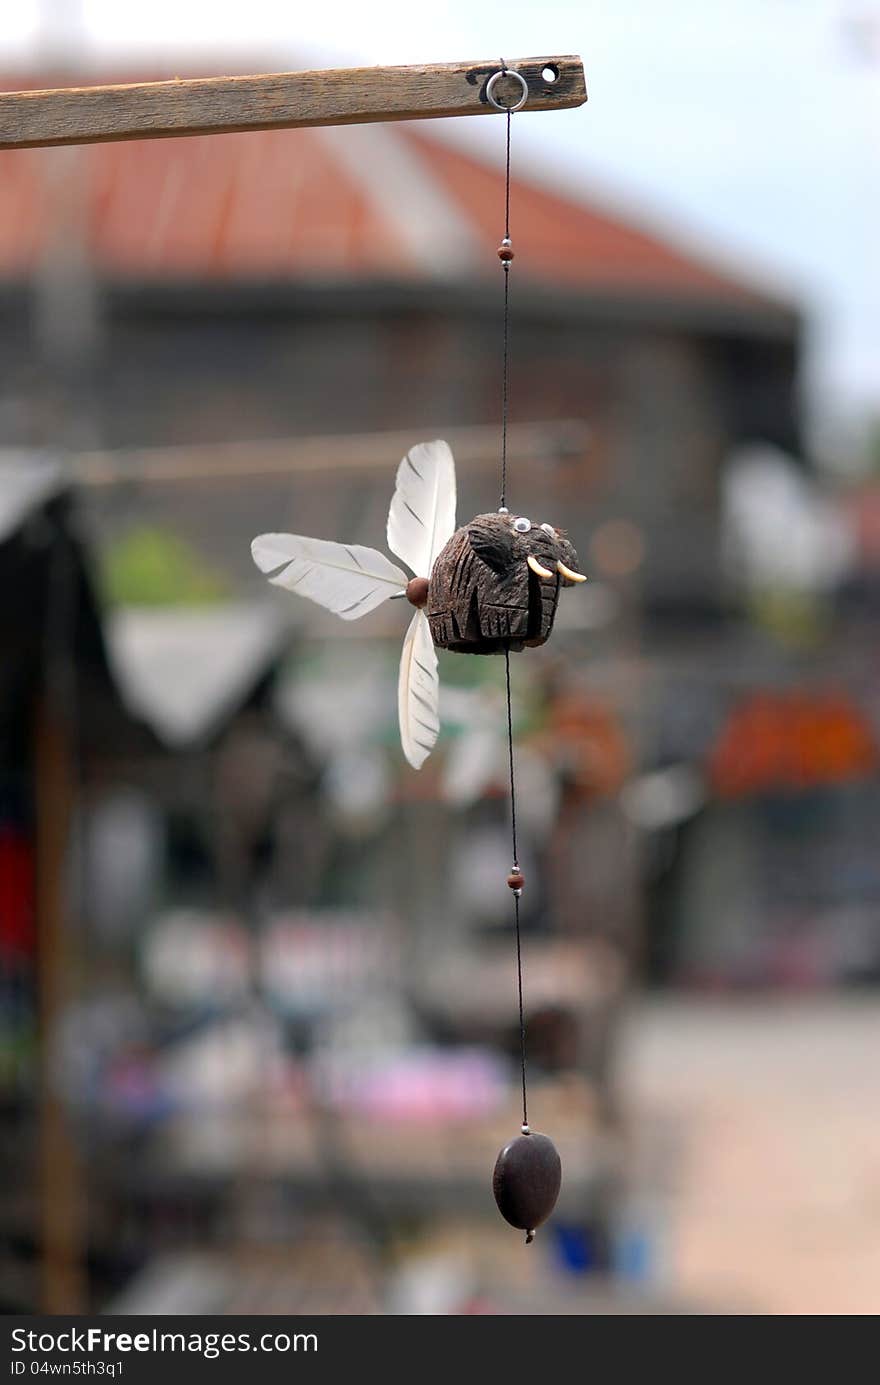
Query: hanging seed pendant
pixel 526 1182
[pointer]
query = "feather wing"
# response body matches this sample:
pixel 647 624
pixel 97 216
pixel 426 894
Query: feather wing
pixel 418 692
pixel 347 579
pixel 422 513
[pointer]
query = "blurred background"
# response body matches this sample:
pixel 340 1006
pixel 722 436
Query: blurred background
pixel 258 1036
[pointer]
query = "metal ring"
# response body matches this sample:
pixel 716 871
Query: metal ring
pixel 496 77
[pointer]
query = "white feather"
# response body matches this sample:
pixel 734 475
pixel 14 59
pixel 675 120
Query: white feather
pixel 422 513
pixel 418 692
pixel 347 579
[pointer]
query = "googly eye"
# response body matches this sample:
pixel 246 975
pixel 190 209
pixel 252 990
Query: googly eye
pixel 522 525
pixel 548 529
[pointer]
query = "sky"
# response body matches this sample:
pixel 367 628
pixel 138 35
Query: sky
pixel 748 129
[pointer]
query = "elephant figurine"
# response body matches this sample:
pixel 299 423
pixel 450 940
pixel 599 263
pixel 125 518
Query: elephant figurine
pixel 489 587
pixel 495 585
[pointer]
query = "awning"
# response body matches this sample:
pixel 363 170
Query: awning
pixel 184 670
pixel 27 481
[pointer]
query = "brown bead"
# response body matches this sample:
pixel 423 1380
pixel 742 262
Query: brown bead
pixel 417 591
pixel 505 252
pixel 526 1181
pixel 516 879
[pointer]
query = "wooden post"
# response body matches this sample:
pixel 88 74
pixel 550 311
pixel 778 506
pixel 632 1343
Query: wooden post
pixel 61 1212
pixel 284 100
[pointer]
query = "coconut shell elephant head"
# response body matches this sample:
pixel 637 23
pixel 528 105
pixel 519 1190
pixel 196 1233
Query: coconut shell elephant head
pixel 495 585
pixel 483 589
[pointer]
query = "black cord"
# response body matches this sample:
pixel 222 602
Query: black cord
pixel 505 391
pixel 517 892
pixel 510 757
pixel 505 371
pixel 507 181
pixel 522 1023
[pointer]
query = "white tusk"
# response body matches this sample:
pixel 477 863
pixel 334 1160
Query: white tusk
pixel 536 567
pixel 567 572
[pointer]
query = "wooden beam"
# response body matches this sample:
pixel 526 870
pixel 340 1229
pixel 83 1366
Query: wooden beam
pixel 285 100
pixel 475 447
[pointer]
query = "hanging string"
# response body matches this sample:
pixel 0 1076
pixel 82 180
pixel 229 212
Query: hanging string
pixel 505 390
pixel 505 254
pixel 516 896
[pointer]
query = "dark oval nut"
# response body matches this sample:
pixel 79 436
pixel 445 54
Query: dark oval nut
pixel 516 879
pixel 417 591
pixel 526 1181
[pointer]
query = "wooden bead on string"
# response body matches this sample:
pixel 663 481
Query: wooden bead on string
pixel 505 251
pixel 417 591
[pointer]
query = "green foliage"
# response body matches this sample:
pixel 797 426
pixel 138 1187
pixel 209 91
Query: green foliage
pixel 154 567
pixel 796 619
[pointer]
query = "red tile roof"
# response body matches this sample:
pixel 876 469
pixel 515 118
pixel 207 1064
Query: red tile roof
pixel 568 240
pixel 387 202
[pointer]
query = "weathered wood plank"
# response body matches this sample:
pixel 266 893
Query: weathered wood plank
pixel 286 100
pixel 475 447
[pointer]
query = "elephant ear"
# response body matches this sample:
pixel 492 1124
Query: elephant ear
pixel 493 544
